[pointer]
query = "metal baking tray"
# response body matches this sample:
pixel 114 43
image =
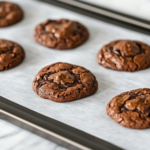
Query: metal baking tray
pixel 104 14
pixel 49 128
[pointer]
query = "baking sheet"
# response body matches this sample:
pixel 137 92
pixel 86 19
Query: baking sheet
pixel 87 114
pixel 129 7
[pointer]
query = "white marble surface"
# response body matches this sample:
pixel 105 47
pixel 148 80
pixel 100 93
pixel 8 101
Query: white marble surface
pixel 14 138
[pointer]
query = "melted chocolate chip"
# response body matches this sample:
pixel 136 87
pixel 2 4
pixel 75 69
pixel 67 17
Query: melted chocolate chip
pixel 60 85
pixel 141 100
pixel 79 30
pixel 110 49
pixel 140 48
pixel 9 50
pixel 44 32
pixel 117 52
pixel 45 77
pixel 124 109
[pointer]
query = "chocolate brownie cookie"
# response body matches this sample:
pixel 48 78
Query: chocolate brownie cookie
pixel 11 54
pixel 10 13
pixel 124 55
pixel 131 109
pixel 60 34
pixel 63 82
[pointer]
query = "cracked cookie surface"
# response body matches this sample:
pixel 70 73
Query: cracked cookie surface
pixel 60 34
pixel 11 54
pixel 124 55
pixel 131 109
pixel 10 13
pixel 63 82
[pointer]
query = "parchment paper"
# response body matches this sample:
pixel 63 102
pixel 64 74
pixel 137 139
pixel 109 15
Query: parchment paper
pixel 87 114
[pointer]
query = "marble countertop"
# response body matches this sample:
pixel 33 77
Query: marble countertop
pixel 15 138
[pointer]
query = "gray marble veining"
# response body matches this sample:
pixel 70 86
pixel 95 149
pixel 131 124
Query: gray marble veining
pixel 15 138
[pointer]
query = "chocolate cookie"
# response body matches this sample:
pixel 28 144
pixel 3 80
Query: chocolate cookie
pixel 10 13
pixel 63 82
pixel 11 54
pixel 124 55
pixel 60 34
pixel 131 109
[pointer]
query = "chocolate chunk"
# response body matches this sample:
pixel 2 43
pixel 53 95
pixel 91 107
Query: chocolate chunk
pixel 62 77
